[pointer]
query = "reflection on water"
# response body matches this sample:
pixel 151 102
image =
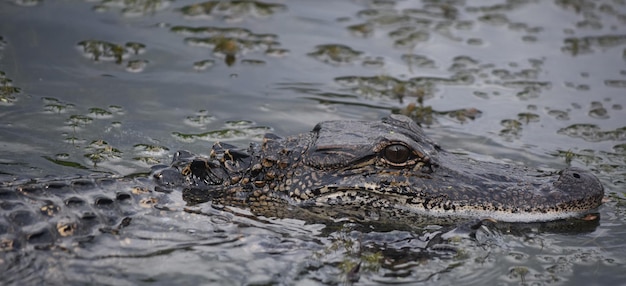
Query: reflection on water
pixel 167 241
pixel 128 82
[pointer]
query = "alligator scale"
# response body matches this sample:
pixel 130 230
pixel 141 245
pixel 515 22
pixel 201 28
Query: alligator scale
pixel 387 164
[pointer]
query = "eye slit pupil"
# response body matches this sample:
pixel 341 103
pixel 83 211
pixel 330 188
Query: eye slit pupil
pixel 396 153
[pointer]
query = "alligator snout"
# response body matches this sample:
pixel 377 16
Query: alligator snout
pixel 577 176
pixel 582 184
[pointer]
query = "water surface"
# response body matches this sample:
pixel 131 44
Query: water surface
pixel 117 86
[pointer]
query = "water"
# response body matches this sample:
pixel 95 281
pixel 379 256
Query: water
pixel 116 86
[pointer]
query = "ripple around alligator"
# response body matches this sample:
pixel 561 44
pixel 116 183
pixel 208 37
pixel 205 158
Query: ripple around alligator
pixel 129 82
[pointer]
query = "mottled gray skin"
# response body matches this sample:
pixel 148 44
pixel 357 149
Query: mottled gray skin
pixel 383 164
pixel 354 165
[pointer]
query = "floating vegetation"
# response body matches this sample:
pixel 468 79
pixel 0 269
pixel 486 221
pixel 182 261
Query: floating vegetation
pixel 73 139
pixel 386 17
pixel 116 109
pixel 232 10
pixel 391 87
pixel 239 123
pixel 419 61
pixel 132 7
pixel 593 133
pixel 519 272
pixel 620 148
pixel 376 62
pixel 276 52
pixel 151 149
pixel 559 114
pixel 97 51
pixel 616 83
pixel 135 48
pixel 350 255
pixel 55 106
pixel 527 117
pixel 335 54
pixel 494 19
pixel 598 111
pixel 251 62
pixel 77 121
pixel 586 45
pixel 233 130
pixel 203 65
pixel 362 30
pixel 103 51
pixel 100 151
pixel 136 66
pixel 96 112
pixel 228 43
pixel 149 153
pixel 587 157
pixel 426 115
pixel 412 40
pixel 201 118
pixel 7 90
pixel 150 161
pixel 410 27
pixel 512 129
pixel 65 162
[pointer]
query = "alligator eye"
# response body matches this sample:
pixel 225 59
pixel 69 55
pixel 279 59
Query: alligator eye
pixel 397 153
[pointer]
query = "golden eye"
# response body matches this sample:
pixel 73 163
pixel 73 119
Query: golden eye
pixel 397 153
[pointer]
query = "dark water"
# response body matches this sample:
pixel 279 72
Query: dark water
pixel 117 86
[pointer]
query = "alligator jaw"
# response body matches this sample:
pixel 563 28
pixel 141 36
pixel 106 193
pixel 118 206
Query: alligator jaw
pixel 388 163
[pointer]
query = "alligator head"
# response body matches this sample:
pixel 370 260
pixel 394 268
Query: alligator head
pixel 388 164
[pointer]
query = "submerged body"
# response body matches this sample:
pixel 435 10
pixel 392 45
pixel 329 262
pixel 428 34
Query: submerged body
pixel 388 164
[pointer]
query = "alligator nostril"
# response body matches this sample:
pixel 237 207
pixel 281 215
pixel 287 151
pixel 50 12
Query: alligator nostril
pixel 576 175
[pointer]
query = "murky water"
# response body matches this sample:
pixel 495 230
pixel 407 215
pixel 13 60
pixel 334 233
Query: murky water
pixel 117 86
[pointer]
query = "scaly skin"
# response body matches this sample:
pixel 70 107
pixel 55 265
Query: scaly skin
pixel 382 164
pixel 354 165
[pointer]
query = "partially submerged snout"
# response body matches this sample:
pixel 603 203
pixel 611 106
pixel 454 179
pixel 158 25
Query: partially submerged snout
pixel 581 191
pixel 502 192
pixel 423 178
pixel 571 192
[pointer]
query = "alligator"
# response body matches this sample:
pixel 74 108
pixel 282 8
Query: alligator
pixel 388 164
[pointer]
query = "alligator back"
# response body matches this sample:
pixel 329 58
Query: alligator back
pixel 43 213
